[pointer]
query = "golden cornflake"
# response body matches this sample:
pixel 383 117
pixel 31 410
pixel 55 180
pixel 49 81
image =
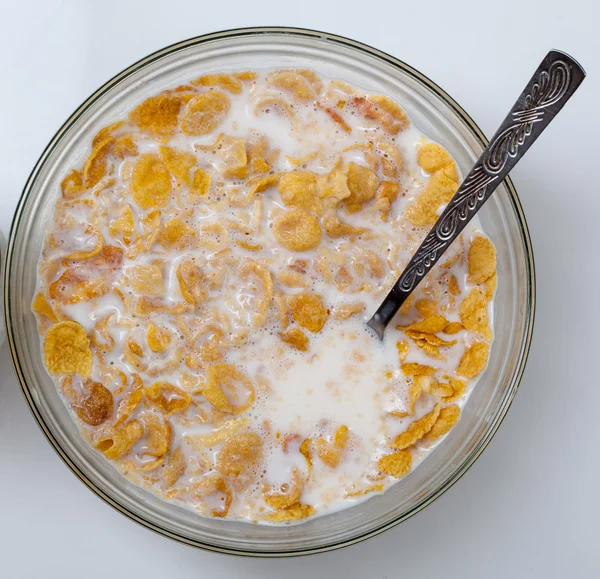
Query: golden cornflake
pixel 228 82
pixel 151 182
pixel 118 443
pixel 168 398
pixel 403 349
pixel 240 454
pixel 146 279
pixel 473 313
pixel 397 464
pixel 474 360
pixel 41 306
pixel 362 183
pixel 299 189
pixel 430 325
pixel 294 513
pixel 204 113
pixel 229 389
pixel 482 260
pixel 296 338
pixel 309 311
pixel 282 499
pixel 158 114
pixel 335 227
pixel 413 369
pixel 432 157
pixel 297 230
pixel 448 417
pixel 67 349
pixel 416 430
pixel 159 337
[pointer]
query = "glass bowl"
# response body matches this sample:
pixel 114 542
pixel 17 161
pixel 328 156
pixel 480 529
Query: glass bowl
pixel 439 117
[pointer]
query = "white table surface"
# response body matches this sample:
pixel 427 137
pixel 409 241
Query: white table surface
pixel 529 507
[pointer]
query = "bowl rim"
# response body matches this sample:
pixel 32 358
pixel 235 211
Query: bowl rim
pixel 255 32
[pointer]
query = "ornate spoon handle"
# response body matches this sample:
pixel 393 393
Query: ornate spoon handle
pixel 553 83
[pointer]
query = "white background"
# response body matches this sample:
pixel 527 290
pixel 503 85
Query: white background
pixel 529 507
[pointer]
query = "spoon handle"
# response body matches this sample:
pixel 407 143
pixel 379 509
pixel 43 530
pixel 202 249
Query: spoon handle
pixel 553 83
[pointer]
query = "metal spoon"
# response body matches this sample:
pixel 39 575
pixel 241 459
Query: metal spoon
pixel 552 85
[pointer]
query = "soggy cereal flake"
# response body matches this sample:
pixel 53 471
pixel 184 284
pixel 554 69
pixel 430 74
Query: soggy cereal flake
pixel 240 454
pixel 232 151
pixel 429 349
pixel 229 389
pixel 146 279
pixel 370 489
pixel 179 163
pixel 217 489
pixel 413 369
pixel 175 233
pixel 158 114
pixel 118 443
pixel 384 111
pixel 159 337
pixel 474 313
pixel 403 349
pixel 335 227
pixel 308 310
pixel 294 513
pixel 302 84
pixel 221 433
pixel 150 182
pixel 201 182
pixel 107 131
pixel 192 282
pixel 170 399
pixel 362 183
pixel 335 117
pixel 253 272
pixel 282 499
pixel 397 464
pixel 297 230
pixel 429 338
pixel 95 406
pixel 296 338
pixel 260 184
pixel 431 157
pixel 204 113
pixel 426 307
pixel 67 349
pixel 430 325
pixel 96 166
pixel 439 190
pixel 299 189
pixel 431 386
pixel 489 286
pixel 332 187
pixel 453 286
pixel 227 82
pixel 72 185
pixel 125 146
pixel 159 434
pixel 41 306
pixel 174 468
pixel 482 260
pixel 474 360
pixel 345 311
pixel 459 388
pixel 246 75
pixel 416 430
pixel 446 421
pixel 123 226
pixel 129 402
pixel 453 328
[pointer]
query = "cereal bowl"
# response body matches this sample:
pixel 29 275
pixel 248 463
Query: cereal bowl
pixel 438 116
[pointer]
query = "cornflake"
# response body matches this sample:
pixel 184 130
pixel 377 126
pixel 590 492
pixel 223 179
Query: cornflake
pixel 474 360
pixel 67 349
pixel 397 464
pixel 297 230
pixel 309 311
pixel 416 430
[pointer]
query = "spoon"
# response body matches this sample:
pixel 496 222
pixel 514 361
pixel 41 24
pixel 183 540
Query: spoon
pixel 551 86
